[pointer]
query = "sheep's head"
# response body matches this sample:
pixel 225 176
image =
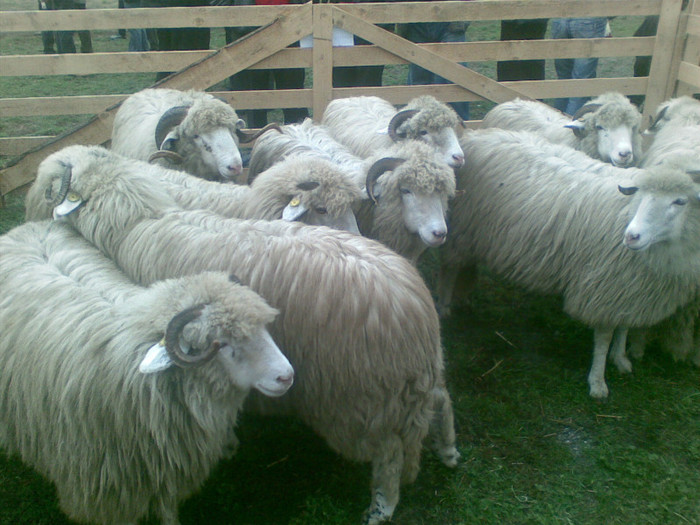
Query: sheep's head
pixel 80 178
pixel 429 120
pixel 683 111
pixel 312 190
pixel 613 124
pixel 201 139
pixel 421 183
pixel 667 206
pixel 230 327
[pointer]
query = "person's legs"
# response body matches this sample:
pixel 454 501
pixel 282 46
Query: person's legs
pixel 291 79
pixel 586 67
pixel 562 66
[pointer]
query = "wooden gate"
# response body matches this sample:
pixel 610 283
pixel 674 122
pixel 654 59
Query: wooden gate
pixel 674 69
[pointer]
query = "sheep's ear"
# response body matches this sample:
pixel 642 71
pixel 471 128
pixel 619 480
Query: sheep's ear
pixel 72 202
pixel 578 127
pixel 156 359
pixel 240 124
pixel 294 210
pixel 628 190
pixel 169 142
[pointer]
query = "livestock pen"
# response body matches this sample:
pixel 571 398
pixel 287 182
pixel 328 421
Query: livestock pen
pixel 535 447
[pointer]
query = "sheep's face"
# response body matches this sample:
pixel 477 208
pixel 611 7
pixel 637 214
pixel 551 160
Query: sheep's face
pixel 663 209
pixel 684 111
pixel 618 137
pixel 218 152
pixel 424 214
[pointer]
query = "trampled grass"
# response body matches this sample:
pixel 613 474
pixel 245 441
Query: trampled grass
pixel 535 448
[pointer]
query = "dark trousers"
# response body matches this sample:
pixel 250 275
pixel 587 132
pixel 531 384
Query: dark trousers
pixel 522 69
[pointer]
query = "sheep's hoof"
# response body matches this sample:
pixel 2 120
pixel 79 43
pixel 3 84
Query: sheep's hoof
pixel 599 390
pixel 379 511
pixel 624 366
pixel 449 456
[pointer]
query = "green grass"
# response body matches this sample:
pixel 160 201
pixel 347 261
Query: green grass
pixel 536 449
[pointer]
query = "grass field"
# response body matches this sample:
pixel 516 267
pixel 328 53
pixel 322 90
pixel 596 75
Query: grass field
pixel 536 449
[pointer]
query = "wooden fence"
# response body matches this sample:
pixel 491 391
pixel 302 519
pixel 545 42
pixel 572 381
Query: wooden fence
pixel 675 52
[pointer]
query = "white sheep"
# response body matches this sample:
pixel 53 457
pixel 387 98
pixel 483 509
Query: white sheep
pixel 408 185
pixel 369 124
pixel 91 399
pixel 310 190
pixel 675 131
pixel 545 223
pixel 356 320
pixel 605 128
pixel 192 131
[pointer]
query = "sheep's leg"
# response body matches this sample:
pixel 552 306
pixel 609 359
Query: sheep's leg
pixel 442 428
pixel 596 377
pixel 167 510
pixel 387 466
pixel 618 351
pixel 638 342
pixel 453 281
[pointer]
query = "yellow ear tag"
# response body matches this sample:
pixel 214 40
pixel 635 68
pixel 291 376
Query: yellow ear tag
pixel 294 202
pixel 73 197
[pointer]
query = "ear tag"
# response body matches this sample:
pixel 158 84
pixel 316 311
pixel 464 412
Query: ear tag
pixel 294 210
pixel 156 359
pixel 71 203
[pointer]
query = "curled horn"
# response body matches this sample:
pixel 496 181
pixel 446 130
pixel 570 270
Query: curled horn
pixel 379 167
pixel 63 190
pixel 652 127
pixel 585 109
pixel 172 339
pixel 172 156
pixel 249 136
pixel 168 121
pixel 397 120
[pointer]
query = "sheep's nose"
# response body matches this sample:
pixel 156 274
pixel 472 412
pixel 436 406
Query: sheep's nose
pixel 625 154
pixel 236 169
pixel 631 238
pixel 458 160
pixel 285 380
pixel 439 234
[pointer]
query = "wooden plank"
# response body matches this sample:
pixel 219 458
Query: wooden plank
pixel 231 59
pixel 660 81
pixel 690 74
pixel 497 10
pixel 460 75
pixel 125 62
pixel 693 25
pixel 322 59
pixel 11 146
pixel 111 19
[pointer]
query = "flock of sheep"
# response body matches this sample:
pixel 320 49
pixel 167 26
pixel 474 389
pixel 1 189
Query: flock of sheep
pixel 186 295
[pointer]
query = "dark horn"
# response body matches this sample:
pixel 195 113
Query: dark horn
pixel 308 185
pixel 379 167
pixel 585 109
pixel 168 121
pixel 655 123
pixel 631 190
pixel 165 154
pixel 397 120
pixel 63 190
pixel 249 136
pixel 172 339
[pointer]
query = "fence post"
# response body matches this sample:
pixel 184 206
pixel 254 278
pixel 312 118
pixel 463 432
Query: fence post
pixel 665 58
pixel 322 58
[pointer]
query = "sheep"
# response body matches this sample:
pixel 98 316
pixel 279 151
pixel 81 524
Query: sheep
pixel 605 128
pixel 368 124
pixel 192 131
pixel 675 131
pixel 683 111
pixel 313 191
pixel 123 424
pixel 544 223
pixel 408 185
pixel 356 320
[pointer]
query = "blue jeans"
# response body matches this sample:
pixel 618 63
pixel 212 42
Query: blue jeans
pixel 435 32
pixel 576 68
pixel 138 38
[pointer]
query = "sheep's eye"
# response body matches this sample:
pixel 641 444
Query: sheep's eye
pixel 321 211
pixel 405 191
pixel 680 202
pixel 599 128
pixel 195 136
pixel 423 132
